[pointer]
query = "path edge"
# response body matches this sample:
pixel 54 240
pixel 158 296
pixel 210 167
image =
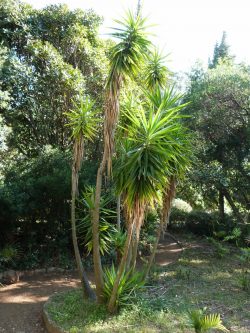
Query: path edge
pixel 50 325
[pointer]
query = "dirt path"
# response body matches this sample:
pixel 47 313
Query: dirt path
pixel 21 303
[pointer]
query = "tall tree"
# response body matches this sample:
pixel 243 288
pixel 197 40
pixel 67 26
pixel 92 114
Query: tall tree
pixel 221 51
pixel 220 120
pixel 125 59
pixel 47 47
pixel 83 122
pixel 142 170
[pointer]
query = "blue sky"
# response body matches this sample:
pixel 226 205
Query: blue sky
pixel 187 29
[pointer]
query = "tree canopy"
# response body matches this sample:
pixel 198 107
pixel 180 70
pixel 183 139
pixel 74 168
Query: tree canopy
pixel 51 57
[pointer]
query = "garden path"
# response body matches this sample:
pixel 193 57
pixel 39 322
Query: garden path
pixel 21 303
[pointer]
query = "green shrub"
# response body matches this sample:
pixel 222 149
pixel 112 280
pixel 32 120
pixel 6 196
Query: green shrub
pixel 245 255
pixel 8 255
pixel 178 219
pixel 183 273
pixel 35 206
pixel 129 284
pixel 198 222
pixel 201 223
pixel 203 322
pixel 119 240
pixel 220 251
pixel 235 235
pixel 244 280
pixel 106 228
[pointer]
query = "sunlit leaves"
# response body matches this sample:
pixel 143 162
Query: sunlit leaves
pixel 155 71
pixel 127 55
pixel 83 119
pixel 156 146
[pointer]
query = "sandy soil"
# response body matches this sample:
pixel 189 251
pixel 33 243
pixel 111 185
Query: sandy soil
pixel 21 303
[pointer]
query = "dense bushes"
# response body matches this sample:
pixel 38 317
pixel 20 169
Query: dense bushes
pixel 35 206
pixel 200 222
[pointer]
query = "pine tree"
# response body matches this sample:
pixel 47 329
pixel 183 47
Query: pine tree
pixel 221 51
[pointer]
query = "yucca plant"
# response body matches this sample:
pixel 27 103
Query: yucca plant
pixel 129 284
pixel 119 240
pixel 9 254
pixel 107 231
pixel 126 58
pixel 203 322
pixel 235 235
pixel 83 123
pixel 155 72
pixel 141 171
pixel 178 147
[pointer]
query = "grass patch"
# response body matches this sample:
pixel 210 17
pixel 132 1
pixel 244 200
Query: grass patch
pixel 197 280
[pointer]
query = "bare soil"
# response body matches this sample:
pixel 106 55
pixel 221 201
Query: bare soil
pixel 21 303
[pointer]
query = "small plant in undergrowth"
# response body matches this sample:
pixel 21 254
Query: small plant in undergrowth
pixel 245 255
pixel 155 273
pixel 130 283
pixel 235 236
pixel 219 250
pixel 202 322
pixel 247 240
pixel 146 244
pixel 183 273
pixel 106 228
pixel 244 280
pixel 221 234
pixel 9 254
pixel 74 330
pixel 119 240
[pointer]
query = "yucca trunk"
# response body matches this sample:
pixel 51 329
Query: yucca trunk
pixel 76 166
pixel 111 116
pixel 167 201
pixel 121 268
pixel 132 215
pixel 137 231
pixel 96 239
pixel 118 211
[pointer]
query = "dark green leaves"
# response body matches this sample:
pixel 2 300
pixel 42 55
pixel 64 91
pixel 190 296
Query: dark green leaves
pixel 156 146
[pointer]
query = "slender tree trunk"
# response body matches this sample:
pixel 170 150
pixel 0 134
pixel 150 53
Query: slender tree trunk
pixel 135 243
pixel 134 249
pixel 95 231
pixel 152 256
pixel 221 205
pixel 129 257
pixel 168 198
pixel 77 160
pixel 118 210
pixel 167 201
pixel 111 116
pixel 232 205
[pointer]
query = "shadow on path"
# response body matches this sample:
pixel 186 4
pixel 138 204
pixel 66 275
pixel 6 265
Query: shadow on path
pixel 21 303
